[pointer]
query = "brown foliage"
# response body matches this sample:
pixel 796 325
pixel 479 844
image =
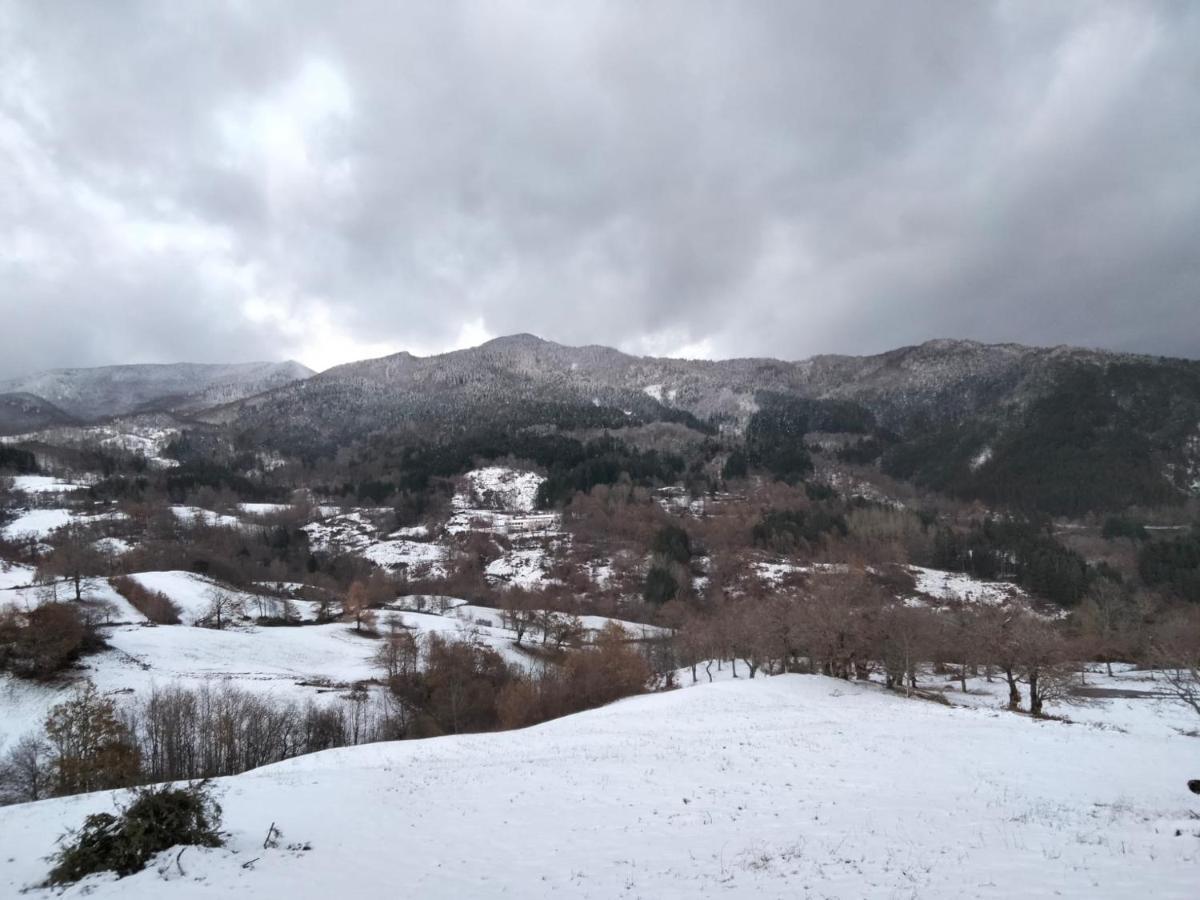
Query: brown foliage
pixel 42 642
pixel 154 605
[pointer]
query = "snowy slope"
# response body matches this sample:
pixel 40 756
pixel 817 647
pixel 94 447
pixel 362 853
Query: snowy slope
pixel 797 786
pixel 192 593
pixel 41 522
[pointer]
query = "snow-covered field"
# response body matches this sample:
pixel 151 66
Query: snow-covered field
pixel 41 522
pixel 193 594
pixel 959 586
pixel 44 484
pixel 207 517
pixel 796 786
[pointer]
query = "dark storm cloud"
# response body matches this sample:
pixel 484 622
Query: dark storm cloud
pixel 258 180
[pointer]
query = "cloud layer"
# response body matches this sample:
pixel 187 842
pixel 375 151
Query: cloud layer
pixel 218 182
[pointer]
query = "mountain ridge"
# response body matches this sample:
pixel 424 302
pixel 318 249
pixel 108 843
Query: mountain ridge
pixel 96 393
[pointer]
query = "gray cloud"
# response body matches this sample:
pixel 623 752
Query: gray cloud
pixel 263 180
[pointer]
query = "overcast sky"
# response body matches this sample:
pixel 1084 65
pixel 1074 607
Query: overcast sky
pixel 334 180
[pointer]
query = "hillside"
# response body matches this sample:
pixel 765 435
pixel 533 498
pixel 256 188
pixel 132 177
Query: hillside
pixel 790 786
pixel 21 411
pixel 98 393
pixel 1060 430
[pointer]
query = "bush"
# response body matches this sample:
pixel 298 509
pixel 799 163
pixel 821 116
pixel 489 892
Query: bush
pixel 672 543
pixel 43 642
pixel 154 605
pixel 786 530
pixel 661 586
pixel 158 818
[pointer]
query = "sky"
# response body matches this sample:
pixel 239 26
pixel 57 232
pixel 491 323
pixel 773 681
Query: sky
pixel 227 181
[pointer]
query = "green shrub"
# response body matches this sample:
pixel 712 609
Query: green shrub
pixel 672 543
pixel 661 586
pixel 158 818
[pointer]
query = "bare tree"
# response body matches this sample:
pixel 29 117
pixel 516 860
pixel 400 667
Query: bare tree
pixel 357 606
pixel 74 557
pixel 1041 654
pixel 25 773
pixel 565 629
pixel 1103 617
pixel 223 606
pixel 399 653
pixel 518 612
pixel 1177 654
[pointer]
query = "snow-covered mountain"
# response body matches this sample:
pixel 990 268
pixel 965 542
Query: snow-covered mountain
pixel 98 393
pixel 943 379
pixel 26 412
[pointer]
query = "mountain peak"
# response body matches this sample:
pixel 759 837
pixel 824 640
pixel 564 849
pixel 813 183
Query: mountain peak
pixel 521 341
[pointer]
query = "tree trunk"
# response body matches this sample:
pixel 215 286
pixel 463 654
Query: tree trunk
pixel 1014 693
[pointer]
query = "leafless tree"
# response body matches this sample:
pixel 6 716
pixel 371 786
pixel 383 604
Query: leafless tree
pixel 1177 654
pixel 223 606
pixel 25 773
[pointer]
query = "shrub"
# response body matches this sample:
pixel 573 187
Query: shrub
pixel 786 530
pixel 154 605
pixel 158 818
pixel 672 543
pixel 661 586
pixel 43 642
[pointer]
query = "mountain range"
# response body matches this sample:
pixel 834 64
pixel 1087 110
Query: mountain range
pixel 72 396
pixel 1062 430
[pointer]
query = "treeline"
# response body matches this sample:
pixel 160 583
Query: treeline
pixel 178 733
pixel 447 686
pixel 1097 439
pixel 847 626
pixel 1173 565
pixel 1015 550
pixel 434 685
pixel 401 474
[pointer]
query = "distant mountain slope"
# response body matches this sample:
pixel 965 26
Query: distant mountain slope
pixel 939 380
pixel 98 393
pixel 1060 429
pixel 20 412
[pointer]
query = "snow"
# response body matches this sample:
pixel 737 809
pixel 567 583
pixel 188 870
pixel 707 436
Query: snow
pixel 286 663
pixel 43 484
pixel 958 586
pixel 97 591
pixel 654 392
pixel 41 522
pixel 113 546
pixel 421 559
pixel 525 568
pixel 414 531
pixel 192 594
pixel 509 490
pixel 783 787
pixel 263 509
pixel 351 531
pixel 14 574
pixel 207 517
